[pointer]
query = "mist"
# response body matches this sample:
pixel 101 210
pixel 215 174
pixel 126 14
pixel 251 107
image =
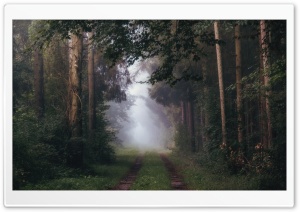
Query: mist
pixel 143 124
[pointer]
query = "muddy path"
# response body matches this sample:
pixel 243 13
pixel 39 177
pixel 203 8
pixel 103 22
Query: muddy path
pixel 177 182
pixel 130 177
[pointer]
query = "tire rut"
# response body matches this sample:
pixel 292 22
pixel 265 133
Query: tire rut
pixel 177 182
pixel 130 177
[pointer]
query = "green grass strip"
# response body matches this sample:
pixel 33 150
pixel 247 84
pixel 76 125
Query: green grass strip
pixel 153 174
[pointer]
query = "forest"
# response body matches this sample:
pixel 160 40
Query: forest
pixel 149 104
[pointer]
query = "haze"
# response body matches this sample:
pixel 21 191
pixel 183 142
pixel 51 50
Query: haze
pixel 143 128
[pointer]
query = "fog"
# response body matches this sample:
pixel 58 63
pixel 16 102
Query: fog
pixel 143 124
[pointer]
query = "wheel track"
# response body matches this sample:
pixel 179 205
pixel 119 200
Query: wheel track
pixel 130 177
pixel 177 182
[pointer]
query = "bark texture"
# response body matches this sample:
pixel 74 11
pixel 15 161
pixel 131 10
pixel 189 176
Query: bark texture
pixel 266 73
pixel 75 72
pixel 238 69
pixel 221 86
pixel 91 85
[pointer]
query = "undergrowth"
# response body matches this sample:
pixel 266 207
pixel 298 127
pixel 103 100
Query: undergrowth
pixel 202 174
pixel 95 177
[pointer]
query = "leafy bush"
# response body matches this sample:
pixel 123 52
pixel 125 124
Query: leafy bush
pixel 36 152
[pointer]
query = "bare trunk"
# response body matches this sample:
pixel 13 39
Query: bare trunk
pixel 39 83
pixel 97 59
pixel 184 114
pixel 91 85
pixel 221 86
pixel 262 104
pixel 266 68
pixel 191 125
pixel 206 96
pixel 238 82
pixel 202 131
pixel 75 66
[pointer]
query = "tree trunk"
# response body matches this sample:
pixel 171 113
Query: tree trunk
pixel 238 82
pixel 183 113
pixel 91 85
pixel 75 72
pixel 191 125
pixel 202 131
pixel 39 83
pixel 206 96
pixel 266 67
pixel 262 103
pixel 97 59
pixel 221 86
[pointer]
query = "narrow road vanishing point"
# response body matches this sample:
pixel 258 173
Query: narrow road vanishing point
pixel 128 180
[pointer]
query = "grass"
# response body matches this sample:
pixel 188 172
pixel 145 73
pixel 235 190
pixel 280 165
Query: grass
pixel 202 177
pixel 153 174
pixel 104 177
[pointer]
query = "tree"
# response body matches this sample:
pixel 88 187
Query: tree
pixel 39 83
pixel 205 116
pixel 75 72
pixel 183 112
pixel 191 125
pixel 91 86
pixel 221 86
pixel 264 36
pixel 237 36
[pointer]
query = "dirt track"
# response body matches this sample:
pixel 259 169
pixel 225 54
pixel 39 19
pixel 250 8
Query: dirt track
pixel 177 182
pixel 130 177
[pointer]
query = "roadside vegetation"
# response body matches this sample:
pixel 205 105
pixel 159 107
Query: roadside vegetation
pixel 96 177
pixel 202 174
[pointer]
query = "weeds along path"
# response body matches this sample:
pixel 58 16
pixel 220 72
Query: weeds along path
pixel 130 177
pixel 176 180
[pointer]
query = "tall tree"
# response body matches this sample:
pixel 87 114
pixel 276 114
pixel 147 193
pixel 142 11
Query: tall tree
pixel 191 125
pixel 39 83
pixel 262 100
pixel 264 36
pixel 206 94
pixel 75 72
pixel 237 36
pixel 221 86
pixel 183 112
pixel 91 86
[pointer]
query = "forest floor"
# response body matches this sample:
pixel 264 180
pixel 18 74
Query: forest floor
pixel 151 170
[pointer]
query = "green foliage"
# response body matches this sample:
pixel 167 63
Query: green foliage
pixel 37 147
pixel 202 173
pixel 133 40
pixel 96 177
pixel 98 146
